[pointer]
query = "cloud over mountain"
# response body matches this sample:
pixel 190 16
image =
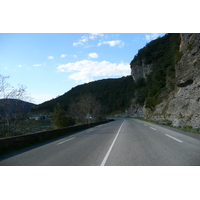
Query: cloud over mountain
pixel 87 70
pixel 152 36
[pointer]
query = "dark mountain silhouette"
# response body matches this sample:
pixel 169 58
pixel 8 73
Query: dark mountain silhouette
pixel 15 105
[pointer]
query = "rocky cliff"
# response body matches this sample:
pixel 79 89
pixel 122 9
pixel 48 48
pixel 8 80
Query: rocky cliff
pixel 181 105
pixel 138 71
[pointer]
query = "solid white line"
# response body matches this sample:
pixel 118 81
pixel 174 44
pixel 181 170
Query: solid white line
pixel 109 150
pixel 173 138
pixel 66 140
pixel 153 128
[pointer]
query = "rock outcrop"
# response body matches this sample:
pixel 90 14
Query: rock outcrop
pixel 140 71
pixel 182 106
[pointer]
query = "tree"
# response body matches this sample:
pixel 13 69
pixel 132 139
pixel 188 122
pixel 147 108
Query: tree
pixel 60 119
pixel 11 106
pixel 85 104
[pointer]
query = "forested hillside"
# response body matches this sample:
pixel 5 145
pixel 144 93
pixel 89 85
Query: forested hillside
pixel 153 77
pixel 112 94
pixel 154 69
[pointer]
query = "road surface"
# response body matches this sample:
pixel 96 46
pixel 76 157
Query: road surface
pixel 123 142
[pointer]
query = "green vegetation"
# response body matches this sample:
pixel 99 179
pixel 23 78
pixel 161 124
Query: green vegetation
pixel 151 102
pixel 189 46
pixel 115 95
pixel 86 104
pixel 169 123
pixel 190 129
pixel 60 119
pixel 163 53
pixel 178 56
pixel 13 107
pixel 112 95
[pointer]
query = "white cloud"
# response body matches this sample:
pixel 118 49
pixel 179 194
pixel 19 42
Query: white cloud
pixel 19 66
pixel 75 56
pixel 50 57
pixel 93 55
pixel 95 35
pixel 76 44
pixel 63 55
pixel 86 70
pixel 85 39
pixel 92 37
pixel 152 36
pixel 37 65
pixel 81 41
pixel 112 43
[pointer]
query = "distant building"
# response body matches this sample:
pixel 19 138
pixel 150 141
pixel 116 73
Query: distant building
pixel 38 117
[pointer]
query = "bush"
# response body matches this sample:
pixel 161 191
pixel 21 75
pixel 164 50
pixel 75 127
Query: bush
pixel 151 102
pixel 60 119
pixel 178 56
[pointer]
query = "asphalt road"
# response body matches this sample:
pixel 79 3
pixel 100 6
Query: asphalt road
pixel 123 142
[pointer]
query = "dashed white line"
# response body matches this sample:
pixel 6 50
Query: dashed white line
pixel 153 128
pixel 145 125
pixel 173 138
pixel 109 150
pixel 100 126
pixel 90 130
pixel 66 140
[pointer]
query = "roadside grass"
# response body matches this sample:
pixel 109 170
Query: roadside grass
pixel 169 123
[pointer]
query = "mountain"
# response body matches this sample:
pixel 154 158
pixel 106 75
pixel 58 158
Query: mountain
pixel 112 94
pixel 164 84
pixel 14 105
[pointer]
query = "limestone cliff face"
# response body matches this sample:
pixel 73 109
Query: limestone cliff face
pixel 140 71
pixel 184 103
pixel 182 106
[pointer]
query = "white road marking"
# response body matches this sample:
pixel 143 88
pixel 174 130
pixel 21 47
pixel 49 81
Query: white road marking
pixel 109 150
pixel 90 131
pixel 66 140
pixel 100 126
pixel 145 125
pixel 153 128
pixel 173 138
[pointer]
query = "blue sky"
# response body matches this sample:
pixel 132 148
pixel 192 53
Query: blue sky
pixel 50 64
